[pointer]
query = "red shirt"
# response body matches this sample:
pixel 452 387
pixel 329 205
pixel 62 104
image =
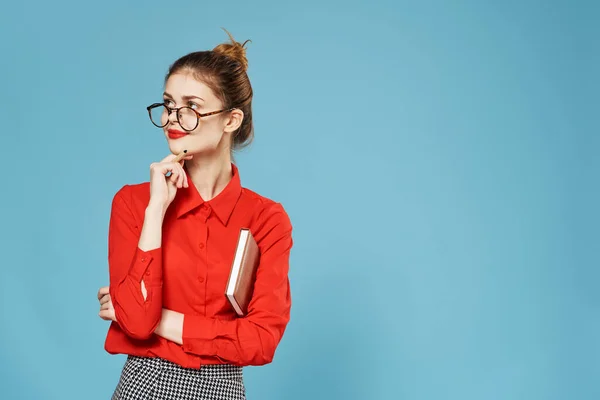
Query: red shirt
pixel 189 274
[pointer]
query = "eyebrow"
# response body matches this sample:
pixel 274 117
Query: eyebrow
pixel 187 97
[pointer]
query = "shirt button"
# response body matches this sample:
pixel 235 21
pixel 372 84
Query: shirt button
pixel 143 259
pixel 201 279
pixel 201 245
pixel 147 273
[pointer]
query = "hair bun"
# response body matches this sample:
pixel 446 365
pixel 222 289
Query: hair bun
pixel 233 50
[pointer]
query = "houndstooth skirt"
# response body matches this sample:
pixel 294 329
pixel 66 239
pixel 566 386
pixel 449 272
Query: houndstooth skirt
pixel 158 379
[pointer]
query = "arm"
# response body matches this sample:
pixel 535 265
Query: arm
pixel 135 262
pixel 253 339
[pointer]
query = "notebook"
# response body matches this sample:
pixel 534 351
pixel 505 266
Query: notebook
pixel 243 273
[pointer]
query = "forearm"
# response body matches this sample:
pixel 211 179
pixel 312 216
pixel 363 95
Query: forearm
pixel 170 326
pixel 250 340
pixel 227 336
pixel 151 236
pixel 136 275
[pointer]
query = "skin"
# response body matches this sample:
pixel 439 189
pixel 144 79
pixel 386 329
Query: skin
pixel 208 165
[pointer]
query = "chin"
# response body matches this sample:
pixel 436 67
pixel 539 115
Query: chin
pixel 178 145
pixel 176 148
pixel 193 147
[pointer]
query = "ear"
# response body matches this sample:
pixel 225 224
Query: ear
pixel 232 124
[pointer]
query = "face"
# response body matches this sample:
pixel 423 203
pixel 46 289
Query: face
pixel 213 133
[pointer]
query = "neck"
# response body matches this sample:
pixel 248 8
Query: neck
pixel 209 175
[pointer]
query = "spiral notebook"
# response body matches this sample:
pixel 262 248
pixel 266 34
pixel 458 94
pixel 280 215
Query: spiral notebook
pixel 240 285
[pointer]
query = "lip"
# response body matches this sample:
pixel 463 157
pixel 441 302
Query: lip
pixel 175 134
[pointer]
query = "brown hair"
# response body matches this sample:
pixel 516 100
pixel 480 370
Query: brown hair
pixel 223 69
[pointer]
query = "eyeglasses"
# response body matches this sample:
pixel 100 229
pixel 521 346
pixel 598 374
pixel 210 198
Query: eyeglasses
pixel 187 117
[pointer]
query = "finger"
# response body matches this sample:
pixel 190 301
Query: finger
pixel 105 306
pixel 106 315
pixel 180 156
pixel 105 299
pixel 178 176
pixel 182 162
pixel 181 177
pixel 103 291
pixel 185 177
pixel 172 186
pixel 169 158
pixel 175 177
pixel 176 172
pixel 163 168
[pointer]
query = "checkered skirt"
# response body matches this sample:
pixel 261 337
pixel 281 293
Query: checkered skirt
pixel 158 379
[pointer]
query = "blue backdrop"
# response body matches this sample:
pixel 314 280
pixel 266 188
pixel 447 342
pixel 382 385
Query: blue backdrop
pixel 439 163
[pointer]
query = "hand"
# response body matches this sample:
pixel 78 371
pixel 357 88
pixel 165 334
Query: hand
pixel 163 188
pixel 107 311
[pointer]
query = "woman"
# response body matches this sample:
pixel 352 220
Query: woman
pixel 172 240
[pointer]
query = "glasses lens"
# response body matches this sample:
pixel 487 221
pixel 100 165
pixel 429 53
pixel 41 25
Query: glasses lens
pixel 158 116
pixel 188 118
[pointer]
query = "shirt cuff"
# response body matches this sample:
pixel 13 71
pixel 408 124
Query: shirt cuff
pixel 141 267
pixel 198 335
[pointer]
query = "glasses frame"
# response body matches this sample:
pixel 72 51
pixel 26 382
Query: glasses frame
pixel 170 111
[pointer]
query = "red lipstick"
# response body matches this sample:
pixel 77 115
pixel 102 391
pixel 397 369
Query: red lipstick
pixel 175 134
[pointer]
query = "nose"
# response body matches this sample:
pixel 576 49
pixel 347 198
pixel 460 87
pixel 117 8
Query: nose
pixel 172 117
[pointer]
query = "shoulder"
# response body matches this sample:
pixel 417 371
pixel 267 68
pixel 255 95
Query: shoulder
pixel 264 206
pixel 132 196
pixel 265 209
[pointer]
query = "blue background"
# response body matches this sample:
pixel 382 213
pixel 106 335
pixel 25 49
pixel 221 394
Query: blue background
pixel 439 162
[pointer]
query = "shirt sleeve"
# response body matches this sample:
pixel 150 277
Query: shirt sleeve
pixel 128 266
pixel 252 339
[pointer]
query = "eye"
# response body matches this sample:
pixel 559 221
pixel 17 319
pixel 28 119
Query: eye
pixel 169 103
pixel 193 105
